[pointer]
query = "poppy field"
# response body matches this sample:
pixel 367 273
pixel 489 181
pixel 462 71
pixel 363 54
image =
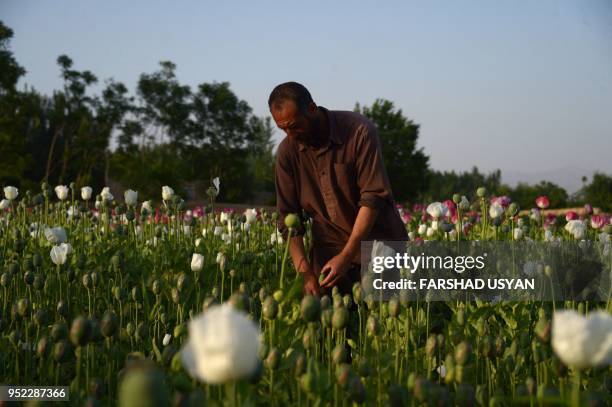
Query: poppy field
pixel 150 303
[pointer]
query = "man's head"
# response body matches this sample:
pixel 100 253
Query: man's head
pixel 295 112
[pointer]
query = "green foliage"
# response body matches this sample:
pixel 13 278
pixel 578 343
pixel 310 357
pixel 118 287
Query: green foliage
pixel 446 183
pixel 406 164
pixel 525 194
pixel 599 192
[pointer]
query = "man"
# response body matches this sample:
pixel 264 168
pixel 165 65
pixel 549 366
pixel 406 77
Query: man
pixel 330 165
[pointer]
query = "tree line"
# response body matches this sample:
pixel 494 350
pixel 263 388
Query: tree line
pixel 168 133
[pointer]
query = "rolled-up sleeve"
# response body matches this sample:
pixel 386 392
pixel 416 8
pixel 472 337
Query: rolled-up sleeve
pixel 287 198
pixel 374 186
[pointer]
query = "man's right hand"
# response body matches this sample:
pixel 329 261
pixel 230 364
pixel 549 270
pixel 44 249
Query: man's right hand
pixel 311 284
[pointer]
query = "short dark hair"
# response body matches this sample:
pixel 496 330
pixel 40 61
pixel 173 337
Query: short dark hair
pixel 290 91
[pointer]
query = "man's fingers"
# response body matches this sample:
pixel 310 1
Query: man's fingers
pixel 328 278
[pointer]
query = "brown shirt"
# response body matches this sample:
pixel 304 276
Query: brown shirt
pixel 331 183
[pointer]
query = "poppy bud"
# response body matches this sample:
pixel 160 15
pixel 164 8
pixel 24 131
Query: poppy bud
pixel 340 318
pixel 273 359
pixel 310 308
pixel 109 324
pixel 63 351
pixel 24 307
pixel 372 326
pixel 462 353
pixel 339 355
pixel 80 331
pixel 270 308
pixel 292 221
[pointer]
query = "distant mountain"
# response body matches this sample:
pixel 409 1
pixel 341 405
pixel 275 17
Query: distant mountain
pixel 569 178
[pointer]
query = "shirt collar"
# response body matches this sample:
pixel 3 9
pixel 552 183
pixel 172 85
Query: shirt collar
pixel 334 137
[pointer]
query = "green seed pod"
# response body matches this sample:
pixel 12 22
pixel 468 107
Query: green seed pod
pixel 37 260
pixel 460 317
pixel 270 308
pixel 24 307
pixel 28 277
pixel 340 318
pixel 14 337
pixel 95 279
pixel 462 353
pixel 310 308
pixel 119 293
pixel 41 317
pixel 240 301
pixel 80 331
pixel 62 309
pixel 325 302
pixel 28 264
pixel 339 355
pixel 5 279
pixel 273 359
pixel 167 355
pixel 486 347
pixel 176 296
pixel 86 281
pixel 421 389
pixel 430 346
pixel 372 326
pixel 300 365
pixel 156 287
pixel 292 221
pixel 278 295
pixel 39 282
pixel 481 192
pixel 63 351
pixel 13 268
pixel 307 340
pixel 143 385
pixel 542 330
pixel 183 282
pixel 363 367
pixel 348 301
pixel 357 292
pixel 440 340
pixel 141 331
pixel 180 330
pixel 59 332
pixel 136 294
pixel 43 347
pixel 109 325
pixel 326 317
pixel 500 346
pixel 344 373
pixel 263 294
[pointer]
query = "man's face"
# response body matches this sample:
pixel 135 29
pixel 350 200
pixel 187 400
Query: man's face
pixel 297 125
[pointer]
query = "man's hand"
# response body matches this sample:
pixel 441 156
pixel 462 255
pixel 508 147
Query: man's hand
pixel 335 269
pixel 311 285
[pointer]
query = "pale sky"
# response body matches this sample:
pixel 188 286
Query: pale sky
pixel 522 86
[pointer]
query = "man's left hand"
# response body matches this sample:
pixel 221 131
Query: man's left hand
pixel 335 269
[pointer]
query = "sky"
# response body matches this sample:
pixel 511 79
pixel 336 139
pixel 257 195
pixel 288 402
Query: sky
pixel 523 86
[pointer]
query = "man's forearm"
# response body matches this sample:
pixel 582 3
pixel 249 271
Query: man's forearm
pixel 363 225
pixel 298 254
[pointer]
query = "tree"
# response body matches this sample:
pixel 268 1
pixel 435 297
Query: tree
pixel 443 184
pixel 599 192
pixel 406 165
pixel 10 70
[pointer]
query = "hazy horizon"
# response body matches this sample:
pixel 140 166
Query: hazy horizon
pixel 523 87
